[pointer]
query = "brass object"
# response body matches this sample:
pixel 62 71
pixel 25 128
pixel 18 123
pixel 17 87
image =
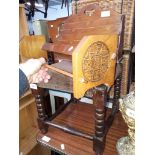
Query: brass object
pixel 126 145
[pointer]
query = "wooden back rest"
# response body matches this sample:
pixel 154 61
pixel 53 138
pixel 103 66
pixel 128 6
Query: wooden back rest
pixel 77 26
pixel 30 47
pixel 89 21
pixel 53 28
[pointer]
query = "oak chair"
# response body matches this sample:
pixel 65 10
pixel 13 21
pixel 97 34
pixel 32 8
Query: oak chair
pixel 93 44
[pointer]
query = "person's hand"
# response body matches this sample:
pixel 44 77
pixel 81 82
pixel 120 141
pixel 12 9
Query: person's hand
pixel 41 75
pixel 34 71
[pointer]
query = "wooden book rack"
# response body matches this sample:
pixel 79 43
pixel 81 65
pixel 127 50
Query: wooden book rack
pixel 92 43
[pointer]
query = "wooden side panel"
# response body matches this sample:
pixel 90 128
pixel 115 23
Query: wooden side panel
pixel 30 47
pixel 94 62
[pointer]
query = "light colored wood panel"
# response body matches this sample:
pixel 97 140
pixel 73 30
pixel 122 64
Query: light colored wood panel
pixel 28 92
pixel 28 127
pixel 32 112
pixel 80 82
pixel 27 143
pixel 24 102
pixel 30 47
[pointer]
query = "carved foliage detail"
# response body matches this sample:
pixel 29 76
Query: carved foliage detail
pixel 95 61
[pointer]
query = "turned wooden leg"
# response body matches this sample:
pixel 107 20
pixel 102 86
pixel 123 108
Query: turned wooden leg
pixel 99 98
pixel 41 108
pixel 117 89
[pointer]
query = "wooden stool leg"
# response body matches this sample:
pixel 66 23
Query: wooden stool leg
pixel 42 114
pixel 117 89
pixel 99 98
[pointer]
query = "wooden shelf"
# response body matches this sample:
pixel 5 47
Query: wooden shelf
pixel 26 94
pixel 79 119
pixel 28 142
pixel 26 100
pixel 28 127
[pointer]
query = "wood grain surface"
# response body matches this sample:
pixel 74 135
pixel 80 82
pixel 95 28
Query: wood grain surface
pixel 81 120
pixel 94 62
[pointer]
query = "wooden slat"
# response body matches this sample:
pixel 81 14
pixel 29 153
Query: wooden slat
pixel 84 17
pixel 64 65
pixel 60 69
pixel 53 27
pixel 59 47
pixel 58 82
pixel 92 29
pixel 91 23
pixel 78 34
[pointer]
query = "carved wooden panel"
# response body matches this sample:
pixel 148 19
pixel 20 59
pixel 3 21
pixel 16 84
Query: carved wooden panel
pixel 95 61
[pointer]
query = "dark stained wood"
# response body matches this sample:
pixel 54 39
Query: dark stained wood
pixel 99 100
pixel 75 27
pixel 80 33
pixel 117 89
pixel 83 16
pixel 58 47
pixel 53 27
pixel 81 119
pixel 75 145
pixel 41 108
pixel 97 22
pixel 64 65
pixel 76 116
pixel 59 56
pixel 50 56
pixel 70 130
pixel 61 83
pixel 44 108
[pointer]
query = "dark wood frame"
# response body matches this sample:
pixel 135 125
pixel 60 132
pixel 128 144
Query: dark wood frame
pixel 102 123
pixel 100 95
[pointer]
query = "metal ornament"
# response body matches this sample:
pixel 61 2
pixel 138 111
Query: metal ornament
pixel 126 145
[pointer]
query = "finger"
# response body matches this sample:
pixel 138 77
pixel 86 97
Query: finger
pixel 48 76
pixel 46 69
pixel 36 80
pixel 40 79
pixel 41 71
pixel 46 80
